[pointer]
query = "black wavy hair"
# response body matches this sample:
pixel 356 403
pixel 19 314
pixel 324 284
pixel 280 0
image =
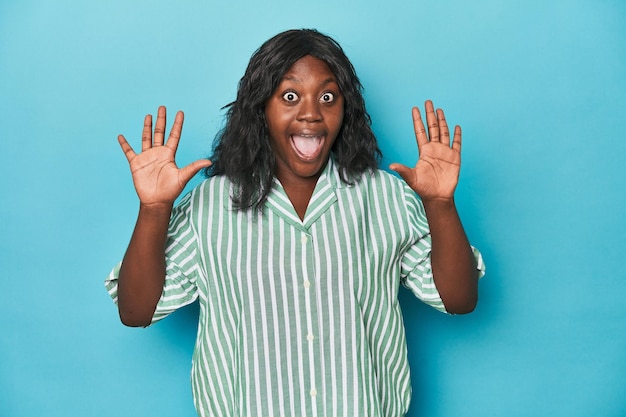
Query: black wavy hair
pixel 242 150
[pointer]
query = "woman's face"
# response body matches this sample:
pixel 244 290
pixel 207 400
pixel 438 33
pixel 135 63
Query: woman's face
pixel 304 115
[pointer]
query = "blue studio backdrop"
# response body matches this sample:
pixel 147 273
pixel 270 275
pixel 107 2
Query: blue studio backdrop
pixel 539 88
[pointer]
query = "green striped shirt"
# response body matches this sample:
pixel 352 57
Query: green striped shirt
pixel 299 318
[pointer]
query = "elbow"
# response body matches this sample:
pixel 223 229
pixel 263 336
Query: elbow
pixel 464 308
pixel 465 305
pixel 133 319
pixel 135 311
pixel 460 296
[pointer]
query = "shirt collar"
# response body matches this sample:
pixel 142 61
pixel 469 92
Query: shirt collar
pixel 323 198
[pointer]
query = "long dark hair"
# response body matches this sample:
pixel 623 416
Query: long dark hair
pixel 242 150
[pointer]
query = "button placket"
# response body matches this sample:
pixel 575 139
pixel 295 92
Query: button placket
pixel 307 287
pixel 309 336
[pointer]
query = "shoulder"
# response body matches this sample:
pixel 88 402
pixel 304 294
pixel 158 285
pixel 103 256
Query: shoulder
pixel 379 188
pixel 388 190
pixel 207 193
pixel 382 181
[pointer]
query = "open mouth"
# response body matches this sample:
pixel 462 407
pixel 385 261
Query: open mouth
pixel 307 147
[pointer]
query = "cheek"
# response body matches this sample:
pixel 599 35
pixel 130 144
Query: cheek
pixel 336 120
pixel 271 113
pixel 341 113
pixel 276 118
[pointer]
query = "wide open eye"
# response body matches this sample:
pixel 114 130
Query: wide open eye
pixel 327 97
pixel 290 96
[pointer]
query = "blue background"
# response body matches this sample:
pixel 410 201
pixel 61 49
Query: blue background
pixel 539 88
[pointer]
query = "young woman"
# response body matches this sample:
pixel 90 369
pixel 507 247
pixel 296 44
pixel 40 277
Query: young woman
pixel 296 243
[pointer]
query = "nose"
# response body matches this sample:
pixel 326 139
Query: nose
pixel 309 110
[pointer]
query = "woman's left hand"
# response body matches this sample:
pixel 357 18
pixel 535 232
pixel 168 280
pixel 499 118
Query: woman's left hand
pixel 436 173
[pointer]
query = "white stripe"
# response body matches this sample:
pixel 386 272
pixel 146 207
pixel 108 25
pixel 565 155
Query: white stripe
pixel 262 258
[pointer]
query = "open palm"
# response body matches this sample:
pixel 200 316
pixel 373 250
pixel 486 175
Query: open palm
pixel 436 173
pixel 156 177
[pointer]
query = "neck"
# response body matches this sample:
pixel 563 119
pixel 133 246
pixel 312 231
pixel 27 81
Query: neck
pixel 299 192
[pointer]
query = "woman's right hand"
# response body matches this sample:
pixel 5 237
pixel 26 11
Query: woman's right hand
pixel 158 180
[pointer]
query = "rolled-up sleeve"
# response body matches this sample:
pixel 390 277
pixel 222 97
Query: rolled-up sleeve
pixel 416 267
pixel 182 265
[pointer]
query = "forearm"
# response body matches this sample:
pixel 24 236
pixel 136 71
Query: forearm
pixel 142 273
pixel 453 263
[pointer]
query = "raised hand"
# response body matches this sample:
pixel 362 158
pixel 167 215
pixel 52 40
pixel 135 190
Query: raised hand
pixel 436 173
pixel 157 178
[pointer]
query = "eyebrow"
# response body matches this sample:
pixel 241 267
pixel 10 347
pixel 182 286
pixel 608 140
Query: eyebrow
pixel 299 81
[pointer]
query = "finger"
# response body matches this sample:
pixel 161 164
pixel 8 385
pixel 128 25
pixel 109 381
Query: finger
pixel 174 138
pixel 431 122
pixel 444 132
pixel 126 148
pixel 405 172
pixel 146 135
pixel 192 169
pixel 418 127
pixel 159 128
pixel 456 142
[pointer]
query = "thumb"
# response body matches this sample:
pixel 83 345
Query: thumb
pixel 192 169
pixel 404 171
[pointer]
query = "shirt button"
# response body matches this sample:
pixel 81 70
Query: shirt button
pixel 310 337
pixel 304 239
pixel 313 392
pixel 307 283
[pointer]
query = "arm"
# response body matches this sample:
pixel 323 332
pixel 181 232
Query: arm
pixel 158 182
pixel 434 179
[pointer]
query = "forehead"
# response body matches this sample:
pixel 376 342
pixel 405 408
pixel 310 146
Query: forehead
pixel 309 68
